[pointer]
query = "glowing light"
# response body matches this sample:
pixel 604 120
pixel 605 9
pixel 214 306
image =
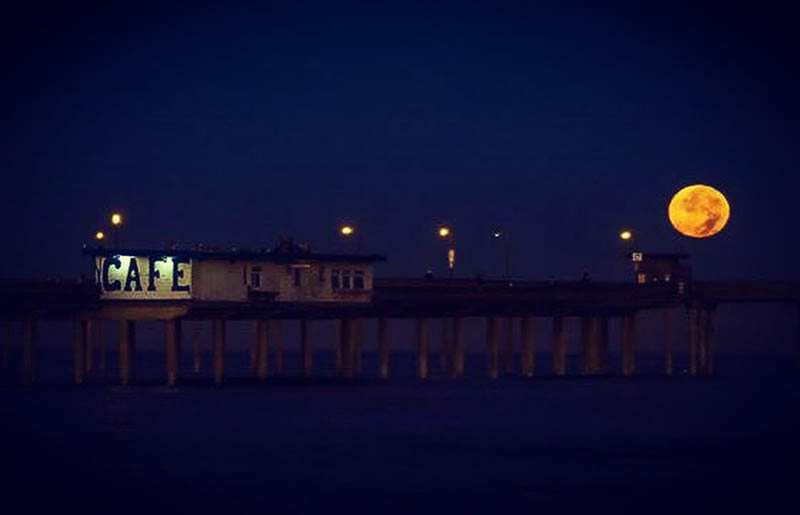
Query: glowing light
pixel 99 235
pixel 347 230
pixel 626 235
pixel 116 219
pixel 497 234
pixel 451 258
pixel 699 211
pixel 444 232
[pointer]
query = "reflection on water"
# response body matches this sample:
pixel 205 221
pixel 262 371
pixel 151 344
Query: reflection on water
pixel 644 443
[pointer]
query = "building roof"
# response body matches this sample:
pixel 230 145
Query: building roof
pixel 293 255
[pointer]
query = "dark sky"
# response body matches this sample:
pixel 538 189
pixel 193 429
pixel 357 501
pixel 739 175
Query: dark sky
pixel 236 124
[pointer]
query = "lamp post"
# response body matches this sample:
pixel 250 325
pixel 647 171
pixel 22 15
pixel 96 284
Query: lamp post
pixel 117 220
pixel 348 231
pixel 505 236
pixel 446 233
pixel 99 236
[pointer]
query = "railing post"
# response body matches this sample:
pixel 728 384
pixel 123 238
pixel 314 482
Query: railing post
pixel 262 349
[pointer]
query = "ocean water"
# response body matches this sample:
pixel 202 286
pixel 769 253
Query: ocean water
pixel 647 444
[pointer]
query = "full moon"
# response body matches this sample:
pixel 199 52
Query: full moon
pixel 699 211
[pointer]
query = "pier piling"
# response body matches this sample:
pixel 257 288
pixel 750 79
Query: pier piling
pixel 458 347
pixel 667 319
pixel 423 337
pixel 527 346
pixel 218 350
pixel 127 351
pixel 629 344
pixel 80 328
pixel 559 347
pixel 197 350
pixel 172 338
pixel 29 329
pixel 262 349
pixel 383 348
pixel 306 351
pixel 508 347
pixel 277 328
pixel 493 346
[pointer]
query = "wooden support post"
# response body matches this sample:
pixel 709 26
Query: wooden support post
pixel 458 347
pixel 493 346
pixel 559 347
pixel 668 362
pixel 603 329
pixel 338 347
pixel 79 351
pixel 127 351
pixel 346 345
pixel 705 330
pixel 527 338
pixel 218 349
pixel 197 349
pixel 628 344
pixel 100 344
pixel 383 348
pixel 357 333
pixel 423 336
pixel 172 339
pixel 277 328
pixel 29 351
pixel 7 341
pixel 253 351
pixel 90 347
pixel 446 347
pixel 305 347
pixel 592 343
pixel 262 349
pixel 692 314
pixel 508 346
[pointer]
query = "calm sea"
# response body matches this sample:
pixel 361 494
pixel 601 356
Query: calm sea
pixel 608 444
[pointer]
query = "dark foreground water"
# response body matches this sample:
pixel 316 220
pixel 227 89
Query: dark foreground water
pixel 648 444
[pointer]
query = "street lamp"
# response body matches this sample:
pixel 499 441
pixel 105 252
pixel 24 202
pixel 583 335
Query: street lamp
pixel 626 235
pixel 446 233
pixel 499 234
pixel 116 225
pixel 99 236
pixel 348 231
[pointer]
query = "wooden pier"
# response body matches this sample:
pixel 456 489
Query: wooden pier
pixel 505 305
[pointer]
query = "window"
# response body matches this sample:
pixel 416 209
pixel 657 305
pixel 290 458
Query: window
pixel 641 278
pixel 346 283
pixel 296 276
pixel 335 280
pixel 322 273
pixel 358 280
pixel 667 277
pixel 255 277
pixel 637 257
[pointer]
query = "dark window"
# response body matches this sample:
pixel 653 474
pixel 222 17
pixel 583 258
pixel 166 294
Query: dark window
pixel 346 284
pixel 322 273
pixel 335 282
pixel 296 276
pixel 358 280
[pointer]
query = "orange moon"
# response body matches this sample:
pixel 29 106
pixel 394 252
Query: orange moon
pixel 699 211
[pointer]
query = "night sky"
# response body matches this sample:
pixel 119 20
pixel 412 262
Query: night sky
pixel 237 124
